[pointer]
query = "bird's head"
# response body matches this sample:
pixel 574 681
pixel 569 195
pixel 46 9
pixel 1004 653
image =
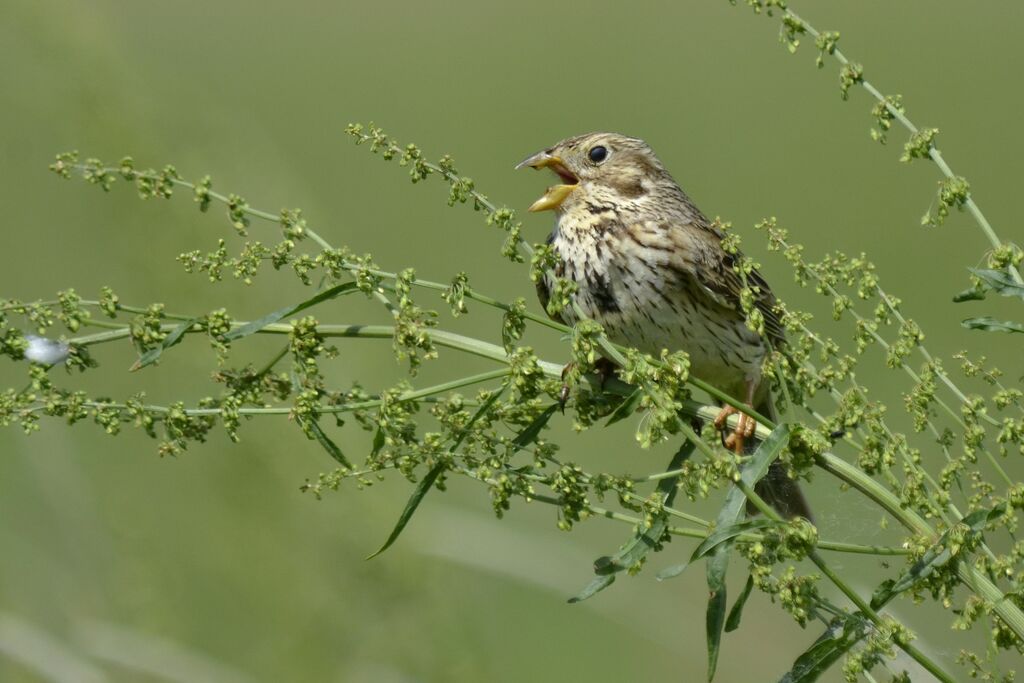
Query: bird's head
pixel 602 166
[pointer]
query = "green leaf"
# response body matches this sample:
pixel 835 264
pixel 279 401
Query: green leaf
pixel 530 432
pixel 727 533
pixel 840 637
pixel 626 408
pixel 732 622
pixel 972 294
pixel 596 586
pixel 172 339
pixel 257 325
pixel 480 412
pixel 428 481
pixel 844 634
pixel 410 507
pixel 378 442
pixel 325 441
pixel 633 551
pixel 672 571
pixel 999 281
pixel 715 617
pixel 730 516
pixel 934 558
pixel 990 324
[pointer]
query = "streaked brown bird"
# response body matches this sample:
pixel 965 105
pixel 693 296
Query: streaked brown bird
pixel 650 268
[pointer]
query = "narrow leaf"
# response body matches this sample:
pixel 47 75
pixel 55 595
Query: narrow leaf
pixel 378 442
pixel 934 558
pixel 175 337
pixel 729 516
pixel 481 411
pixel 732 622
pixel 428 481
pixel 596 586
pixel 257 325
pixel 325 441
pixel 633 551
pixel 410 507
pixel 990 324
pixel 972 294
pixel 530 432
pixel 840 637
pixel 999 281
pixel 671 572
pixel 715 617
pixel 626 408
pixel 843 635
pixel 719 536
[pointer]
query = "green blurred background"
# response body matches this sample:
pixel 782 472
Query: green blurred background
pixel 116 565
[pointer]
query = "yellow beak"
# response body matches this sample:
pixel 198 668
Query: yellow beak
pixel 555 194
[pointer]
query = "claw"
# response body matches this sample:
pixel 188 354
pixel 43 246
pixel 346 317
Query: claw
pixel 723 415
pixel 745 427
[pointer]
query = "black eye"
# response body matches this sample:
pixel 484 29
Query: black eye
pixel 598 154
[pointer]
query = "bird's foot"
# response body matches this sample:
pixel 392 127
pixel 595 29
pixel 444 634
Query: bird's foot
pixel 745 426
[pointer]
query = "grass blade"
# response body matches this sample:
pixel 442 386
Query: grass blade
pixel 257 325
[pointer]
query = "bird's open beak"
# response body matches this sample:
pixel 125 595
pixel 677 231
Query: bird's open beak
pixel 555 194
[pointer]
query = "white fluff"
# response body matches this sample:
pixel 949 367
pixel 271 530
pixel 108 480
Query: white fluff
pixel 46 351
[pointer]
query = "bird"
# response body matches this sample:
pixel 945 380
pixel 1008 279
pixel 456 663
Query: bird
pixel 652 270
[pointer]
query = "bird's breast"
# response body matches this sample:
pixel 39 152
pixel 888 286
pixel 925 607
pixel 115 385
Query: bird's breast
pixel 639 284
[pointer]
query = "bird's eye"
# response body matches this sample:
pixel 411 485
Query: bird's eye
pixel 598 154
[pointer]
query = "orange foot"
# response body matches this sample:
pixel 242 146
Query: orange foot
pixel 744 429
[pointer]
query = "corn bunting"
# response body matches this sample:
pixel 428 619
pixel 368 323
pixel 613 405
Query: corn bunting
pixel 650 268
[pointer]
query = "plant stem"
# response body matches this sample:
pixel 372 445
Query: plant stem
pixel 933 151
pixel 865 609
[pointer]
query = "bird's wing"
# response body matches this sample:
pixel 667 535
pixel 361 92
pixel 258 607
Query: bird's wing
pixel 714 269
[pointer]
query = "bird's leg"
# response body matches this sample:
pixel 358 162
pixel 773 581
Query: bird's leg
pixel 605 369
pixel 745 425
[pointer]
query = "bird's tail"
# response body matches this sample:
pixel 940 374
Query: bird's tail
pixel 777 488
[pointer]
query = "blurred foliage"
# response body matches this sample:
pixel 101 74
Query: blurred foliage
pixel 214 560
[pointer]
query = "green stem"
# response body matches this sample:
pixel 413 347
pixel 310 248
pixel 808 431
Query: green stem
pixel 248 210
pixel 973 578
pixel 691 532
pixel 865 609
pixel 933 151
